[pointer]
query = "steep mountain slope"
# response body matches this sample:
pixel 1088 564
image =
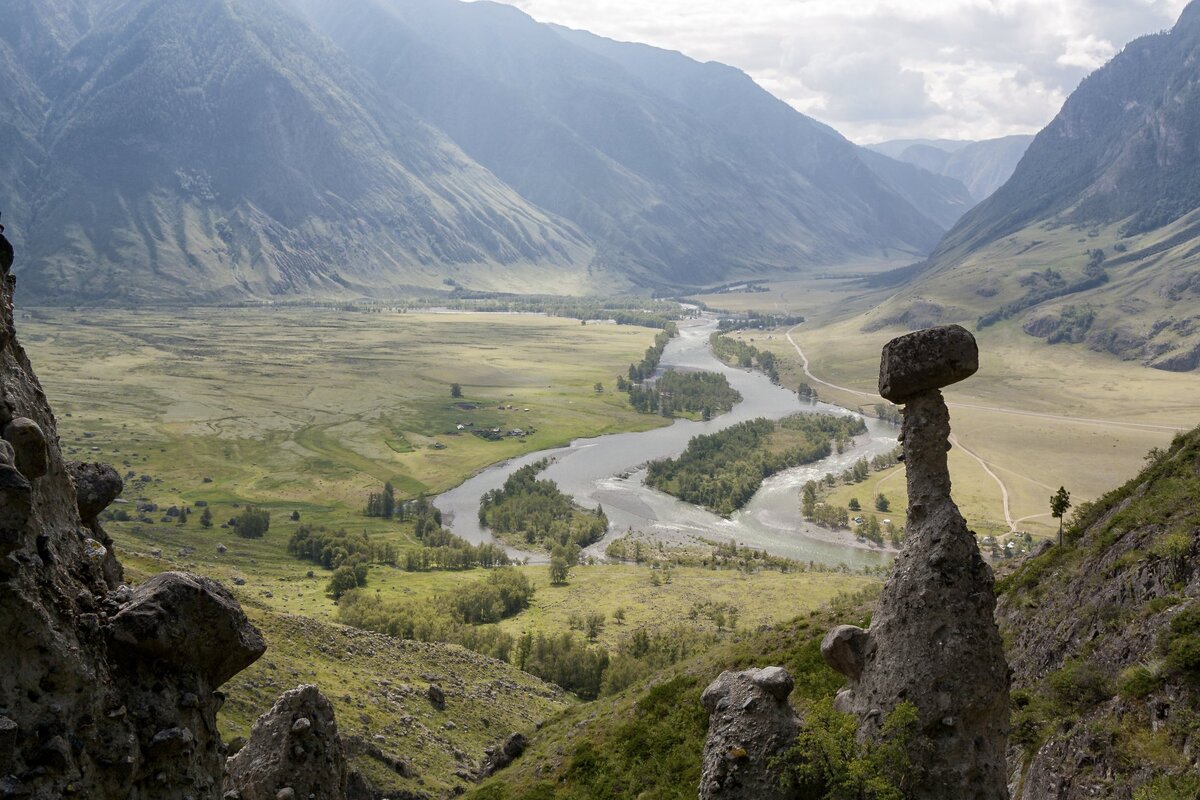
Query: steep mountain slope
pixel 1104 642
pixel 1093 239
pixel 217 149
pixel 684 172
pixel 982 167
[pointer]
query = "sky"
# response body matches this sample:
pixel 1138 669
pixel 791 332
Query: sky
pixel 890 69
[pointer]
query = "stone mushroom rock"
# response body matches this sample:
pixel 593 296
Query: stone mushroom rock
pixel 96 487
pixel 295 746
pixel 165 615
pixel 926 360
pixel 29 445
pixel 933 639
pixel 750 723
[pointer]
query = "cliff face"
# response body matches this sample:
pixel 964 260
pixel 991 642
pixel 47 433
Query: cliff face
pixel 1104 639
pixel 105 692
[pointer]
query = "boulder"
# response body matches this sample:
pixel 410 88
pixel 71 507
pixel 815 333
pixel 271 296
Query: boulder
pixel 750 723
pixel 165 613
pixel 497 758
pixel 293 751
pixel 96 487
pixel 29 446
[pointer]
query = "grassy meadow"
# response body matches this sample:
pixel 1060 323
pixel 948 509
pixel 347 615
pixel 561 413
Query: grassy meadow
pixel 1093 417
pixel 310 409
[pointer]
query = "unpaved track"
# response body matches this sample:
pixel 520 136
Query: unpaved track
pixel 987 467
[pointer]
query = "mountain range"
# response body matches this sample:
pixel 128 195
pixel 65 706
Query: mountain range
pixel 214 150
pixel 1096 237
pixel 982 167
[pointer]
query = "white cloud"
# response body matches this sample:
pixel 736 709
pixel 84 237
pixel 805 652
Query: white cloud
pixel 880 69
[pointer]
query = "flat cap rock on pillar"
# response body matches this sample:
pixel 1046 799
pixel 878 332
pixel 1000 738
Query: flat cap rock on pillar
pixel 925 360
pixel 933 640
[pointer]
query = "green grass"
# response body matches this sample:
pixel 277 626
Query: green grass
pixel 646 741
pixel 311 409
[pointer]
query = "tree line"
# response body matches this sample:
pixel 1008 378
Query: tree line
pixel 537 512
pixel 757 320
pixel 722 471
pixel 649 364
pixel 706 393
pixel 742 354
pixel 576 663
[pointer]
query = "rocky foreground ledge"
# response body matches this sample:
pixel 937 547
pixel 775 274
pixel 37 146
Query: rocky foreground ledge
pixel 108 691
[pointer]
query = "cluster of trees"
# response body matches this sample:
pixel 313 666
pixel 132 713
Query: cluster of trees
pixel 706 393
pixel 889 412
pixel 573 662
pixel 332 549
pixel 1052 287
pixel 861 469
pixel 441 549
pixel 564 660
pixel 346 578
pixel 739 353
pixel 538 512
pixel 757 320
pixel 252 523
pixel 835 517
pixel 458 618
pixel 649 364
pixel 623 311
pixel 722 471
pixel 382 504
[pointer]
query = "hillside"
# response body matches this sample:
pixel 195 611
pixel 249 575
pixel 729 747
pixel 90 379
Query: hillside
pixel 1105 700
pixel 1116 675
pixel 981 167
pixel 1093 240
pixel 212 151
pixel 684 172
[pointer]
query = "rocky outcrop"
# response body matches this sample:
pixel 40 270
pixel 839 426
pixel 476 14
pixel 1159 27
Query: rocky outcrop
pixel 933 641
pixel 293 752
pixel 750 723
pixel 105 692
pixel 500 756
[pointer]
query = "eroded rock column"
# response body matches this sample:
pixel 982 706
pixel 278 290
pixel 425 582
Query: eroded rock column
pixel 933 640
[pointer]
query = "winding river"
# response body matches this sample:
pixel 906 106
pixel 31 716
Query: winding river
pixel 609 469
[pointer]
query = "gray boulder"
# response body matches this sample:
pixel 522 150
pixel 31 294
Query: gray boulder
pixel 499 757
pixel 29 446
pixel 162 619
pixel 750 723
pixel 293 751
pixel 96 487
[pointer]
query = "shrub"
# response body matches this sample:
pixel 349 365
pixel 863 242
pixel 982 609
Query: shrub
pixel 1079 685
pixel 253 523
pixel 1138 681
pixel 1183 642
pixel 829 762
pixel 1170 787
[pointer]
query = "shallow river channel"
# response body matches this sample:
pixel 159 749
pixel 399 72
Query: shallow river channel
pixel 609 469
